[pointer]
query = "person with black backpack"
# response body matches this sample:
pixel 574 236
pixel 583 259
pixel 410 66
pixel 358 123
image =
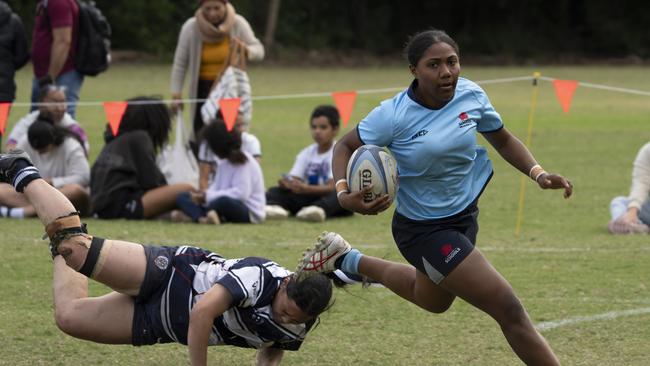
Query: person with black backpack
pixel 70 41
pixel 14 52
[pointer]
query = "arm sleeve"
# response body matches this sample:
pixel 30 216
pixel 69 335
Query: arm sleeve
pixel 242 183
pixel 77 170
pixel 490 119
pixel 246 35
pixel 640 189
pixel 300 165
pixel 377 127
pixel 20 47
pixel 181 58
pixel 60 13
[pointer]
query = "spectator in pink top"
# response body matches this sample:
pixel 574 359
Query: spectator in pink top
pixel 53 48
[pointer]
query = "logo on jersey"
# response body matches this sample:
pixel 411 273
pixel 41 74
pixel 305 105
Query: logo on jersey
pixel 161 262
pixel 449 252
pixel 464 120
pixel 419 134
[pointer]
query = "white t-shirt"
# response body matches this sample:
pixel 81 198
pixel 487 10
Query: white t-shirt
pixel 313 167
pixel 65 164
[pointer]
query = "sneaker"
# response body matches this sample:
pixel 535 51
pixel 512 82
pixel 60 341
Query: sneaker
pixel 275 212
pixel 618 227
pixel 213 218
pixel 639 228
pixel 7 164
pixel 322 257
pixel 311 213
pixel 179 216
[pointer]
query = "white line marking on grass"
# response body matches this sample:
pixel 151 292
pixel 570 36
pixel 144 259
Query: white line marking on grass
pixel 563 250
pixel 543 326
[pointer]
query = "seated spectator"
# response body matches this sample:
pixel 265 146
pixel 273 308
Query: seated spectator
pixel 208 160
pixel 61 159
pixel 236 194
pixel 125 180
pixel 308 190
pixel 631 214
pixel 54 110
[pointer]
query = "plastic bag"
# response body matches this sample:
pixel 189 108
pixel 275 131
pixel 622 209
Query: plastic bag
pixel 177 162
pixel 232 82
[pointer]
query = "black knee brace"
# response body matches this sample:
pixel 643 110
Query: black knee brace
pixel 62 228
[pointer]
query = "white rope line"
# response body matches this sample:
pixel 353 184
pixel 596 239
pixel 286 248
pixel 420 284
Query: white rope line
pixel 604 87
pixel 361 92
pixel 543 326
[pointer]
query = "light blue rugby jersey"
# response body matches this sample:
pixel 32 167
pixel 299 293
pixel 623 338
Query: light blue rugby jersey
pixel 442 169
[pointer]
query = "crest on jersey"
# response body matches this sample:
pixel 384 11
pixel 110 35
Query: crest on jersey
pixel 161 262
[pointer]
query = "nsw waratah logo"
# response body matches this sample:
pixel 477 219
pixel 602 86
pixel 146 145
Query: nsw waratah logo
pixel 464 120
pixel 449 252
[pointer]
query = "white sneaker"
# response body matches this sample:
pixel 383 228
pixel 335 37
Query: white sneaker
pixel 321 258
pixel 311 213
pixel 275 212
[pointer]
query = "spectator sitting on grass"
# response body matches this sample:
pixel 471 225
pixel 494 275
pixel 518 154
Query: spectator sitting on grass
pixel 125 180
pixel 308 190
pixel 61 159
pixel 631 214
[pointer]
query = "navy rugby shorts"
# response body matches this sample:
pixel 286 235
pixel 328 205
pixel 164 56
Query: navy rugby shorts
pixel 436 247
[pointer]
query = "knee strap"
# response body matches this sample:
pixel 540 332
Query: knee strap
pixel 92 257
pixel 62 228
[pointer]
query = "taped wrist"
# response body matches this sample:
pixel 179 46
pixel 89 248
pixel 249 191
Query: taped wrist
pixel 63 228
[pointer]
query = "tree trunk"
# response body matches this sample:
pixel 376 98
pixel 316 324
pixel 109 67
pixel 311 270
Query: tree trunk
pixel 271 24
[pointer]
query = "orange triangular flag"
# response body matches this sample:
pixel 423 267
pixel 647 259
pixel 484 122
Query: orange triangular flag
pixel 4 113
pixel 229 109
pixel 114 112
pixel 344 101
pixel 564 90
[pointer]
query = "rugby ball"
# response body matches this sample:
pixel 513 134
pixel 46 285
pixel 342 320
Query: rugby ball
pixel 370 164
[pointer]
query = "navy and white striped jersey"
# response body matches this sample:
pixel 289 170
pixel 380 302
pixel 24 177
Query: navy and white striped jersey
pixel 252 282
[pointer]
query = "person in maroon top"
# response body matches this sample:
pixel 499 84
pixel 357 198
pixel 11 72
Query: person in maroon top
pixel 54 41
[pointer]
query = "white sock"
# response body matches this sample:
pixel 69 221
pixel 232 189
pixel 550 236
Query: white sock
pixel 16 212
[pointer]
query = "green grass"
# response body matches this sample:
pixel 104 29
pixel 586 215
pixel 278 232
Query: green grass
pixel 563 265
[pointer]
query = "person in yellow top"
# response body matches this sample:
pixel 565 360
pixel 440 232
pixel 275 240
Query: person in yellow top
pixel 202 50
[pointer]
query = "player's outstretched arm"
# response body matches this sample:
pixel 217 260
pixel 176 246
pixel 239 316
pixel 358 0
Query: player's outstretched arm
pixel 213 303
pixel 269 356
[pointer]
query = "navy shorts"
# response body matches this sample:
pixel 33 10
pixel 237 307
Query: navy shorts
pixel 436 247
pixel 161 311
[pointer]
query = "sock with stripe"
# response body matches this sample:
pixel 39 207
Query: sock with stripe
pixel 16 212
pixel 349 262
pixel 25 174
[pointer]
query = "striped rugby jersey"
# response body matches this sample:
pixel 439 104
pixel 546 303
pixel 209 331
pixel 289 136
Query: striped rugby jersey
pixel 252 282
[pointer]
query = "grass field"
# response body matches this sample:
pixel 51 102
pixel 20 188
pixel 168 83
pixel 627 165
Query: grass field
pixel 564 265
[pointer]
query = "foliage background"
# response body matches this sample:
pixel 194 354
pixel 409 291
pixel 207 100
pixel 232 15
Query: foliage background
pixel 505 30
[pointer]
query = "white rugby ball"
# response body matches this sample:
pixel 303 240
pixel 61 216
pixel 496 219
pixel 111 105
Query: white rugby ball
pixel 370 164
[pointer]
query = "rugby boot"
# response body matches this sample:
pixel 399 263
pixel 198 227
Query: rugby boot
pixel 8 166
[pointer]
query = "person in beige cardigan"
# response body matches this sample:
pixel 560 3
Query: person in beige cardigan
pixel 202 51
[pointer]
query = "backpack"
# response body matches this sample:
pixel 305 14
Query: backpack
pixel 93 40
pixel 93 52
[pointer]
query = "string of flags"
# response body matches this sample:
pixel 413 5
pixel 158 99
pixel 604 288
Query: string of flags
pixel 344 101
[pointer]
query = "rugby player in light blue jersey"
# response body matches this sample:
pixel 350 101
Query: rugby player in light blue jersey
pixel 179 294
pixel 431 129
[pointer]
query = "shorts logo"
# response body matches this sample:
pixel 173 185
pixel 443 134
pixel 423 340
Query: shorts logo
pixel 449 252
pixel 161 262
